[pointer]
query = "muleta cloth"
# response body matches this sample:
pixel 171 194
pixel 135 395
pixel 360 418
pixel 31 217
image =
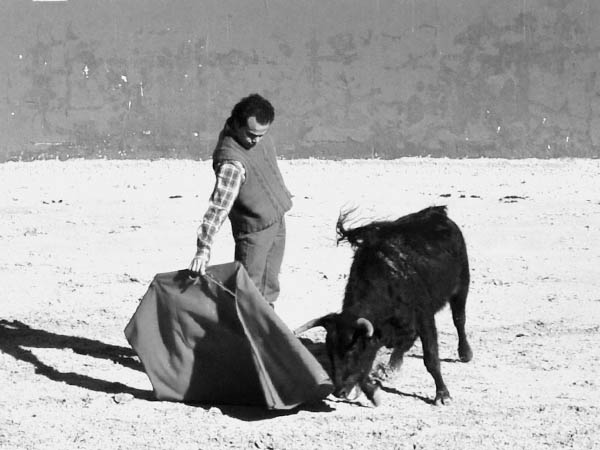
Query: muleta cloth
pixel 216 340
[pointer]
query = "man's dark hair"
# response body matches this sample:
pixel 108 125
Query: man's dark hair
pixel 253 105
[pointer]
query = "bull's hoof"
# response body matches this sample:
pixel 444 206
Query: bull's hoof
pixel 442 398
pixel 465 353
pixel 377 398
pixel 373 392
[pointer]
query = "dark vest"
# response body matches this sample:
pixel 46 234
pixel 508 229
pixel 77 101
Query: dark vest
pixel 263 197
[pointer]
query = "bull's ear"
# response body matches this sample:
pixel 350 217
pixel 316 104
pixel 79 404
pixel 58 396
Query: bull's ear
pixel 324 322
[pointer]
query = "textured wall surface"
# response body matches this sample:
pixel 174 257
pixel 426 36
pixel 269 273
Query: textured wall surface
pixel 348 78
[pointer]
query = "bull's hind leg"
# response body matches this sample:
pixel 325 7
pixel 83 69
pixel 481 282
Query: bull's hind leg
pixel 457 304
pixel 431 358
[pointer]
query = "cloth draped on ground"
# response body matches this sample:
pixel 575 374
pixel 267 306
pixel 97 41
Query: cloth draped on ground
pixel 215 340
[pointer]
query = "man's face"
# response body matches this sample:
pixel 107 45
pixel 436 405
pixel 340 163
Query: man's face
pixel 250 134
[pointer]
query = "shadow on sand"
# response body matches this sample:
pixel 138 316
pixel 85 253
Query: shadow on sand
pixel 17 338
pixel 254 413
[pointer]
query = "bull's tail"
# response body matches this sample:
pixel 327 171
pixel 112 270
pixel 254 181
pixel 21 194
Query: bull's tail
pixel 355 236
pixel 429 220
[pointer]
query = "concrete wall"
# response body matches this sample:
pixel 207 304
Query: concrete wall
pixel 348 78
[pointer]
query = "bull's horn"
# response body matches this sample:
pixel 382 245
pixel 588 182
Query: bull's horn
pixel 318 322
pixel 366 325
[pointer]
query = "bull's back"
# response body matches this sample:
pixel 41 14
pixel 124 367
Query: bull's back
pixel 419 258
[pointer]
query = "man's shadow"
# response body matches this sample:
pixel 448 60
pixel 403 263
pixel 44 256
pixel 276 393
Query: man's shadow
pixel 16 338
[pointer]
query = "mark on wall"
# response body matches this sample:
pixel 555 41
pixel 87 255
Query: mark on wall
pixel 428 82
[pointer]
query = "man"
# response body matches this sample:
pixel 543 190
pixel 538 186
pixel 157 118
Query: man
pixel 250 190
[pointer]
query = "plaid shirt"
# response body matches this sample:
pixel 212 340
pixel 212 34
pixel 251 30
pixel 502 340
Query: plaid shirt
pixel 230 176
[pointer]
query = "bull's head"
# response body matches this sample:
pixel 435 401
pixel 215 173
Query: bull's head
pixel 352 345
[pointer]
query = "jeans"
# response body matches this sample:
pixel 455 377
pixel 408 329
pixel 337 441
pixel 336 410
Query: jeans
pixel 261 253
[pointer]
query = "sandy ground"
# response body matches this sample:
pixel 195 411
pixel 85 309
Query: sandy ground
pixel 81 241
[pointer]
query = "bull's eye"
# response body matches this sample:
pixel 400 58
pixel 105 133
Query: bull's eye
pixel 344 349
pixel 353 342
pixel 349 341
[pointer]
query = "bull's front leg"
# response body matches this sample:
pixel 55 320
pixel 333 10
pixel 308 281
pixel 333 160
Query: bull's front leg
pixel 390 371
pixel 431 358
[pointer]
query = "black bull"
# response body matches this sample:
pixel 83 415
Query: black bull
pixel 403 272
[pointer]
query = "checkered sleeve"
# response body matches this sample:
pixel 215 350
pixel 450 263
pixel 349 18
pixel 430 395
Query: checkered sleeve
pixel 230 176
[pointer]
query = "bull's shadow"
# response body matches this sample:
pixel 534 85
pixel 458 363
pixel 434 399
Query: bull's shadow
pixel 391 390
pixel 16 338
pixel 445 360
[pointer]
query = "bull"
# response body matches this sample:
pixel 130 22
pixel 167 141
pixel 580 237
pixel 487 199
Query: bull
pixel 403 272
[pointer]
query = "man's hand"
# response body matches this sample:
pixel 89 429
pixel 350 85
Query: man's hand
pixel 198 264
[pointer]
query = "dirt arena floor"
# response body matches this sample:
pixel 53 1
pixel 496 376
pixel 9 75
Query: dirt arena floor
pixel 81 240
